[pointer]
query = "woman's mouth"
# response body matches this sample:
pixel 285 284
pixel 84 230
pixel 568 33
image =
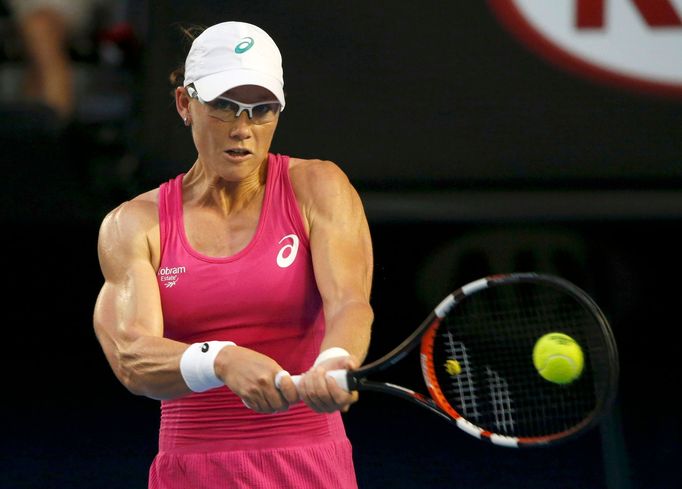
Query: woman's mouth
pixel 237 152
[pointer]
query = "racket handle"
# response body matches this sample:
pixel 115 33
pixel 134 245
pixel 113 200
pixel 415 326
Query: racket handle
pixel 340 376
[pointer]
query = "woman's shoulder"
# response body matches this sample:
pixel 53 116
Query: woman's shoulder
pixel 321 186
pixel 316 175
pixel 139 214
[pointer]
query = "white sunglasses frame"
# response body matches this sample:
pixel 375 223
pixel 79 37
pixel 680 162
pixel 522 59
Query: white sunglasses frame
pixel 192 92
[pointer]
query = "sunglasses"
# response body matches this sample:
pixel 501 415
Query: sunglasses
pixel 228 110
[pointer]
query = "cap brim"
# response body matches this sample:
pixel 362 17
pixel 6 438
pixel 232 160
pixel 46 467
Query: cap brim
pixel 212 86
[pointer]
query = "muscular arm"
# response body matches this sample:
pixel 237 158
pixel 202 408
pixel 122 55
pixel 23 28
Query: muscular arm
pixel 128 319
pixel 343 262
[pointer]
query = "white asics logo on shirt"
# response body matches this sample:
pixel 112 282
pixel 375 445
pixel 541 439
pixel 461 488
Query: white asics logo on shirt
pixel 287 254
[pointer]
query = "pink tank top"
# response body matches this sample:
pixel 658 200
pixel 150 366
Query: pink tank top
pixel 264 298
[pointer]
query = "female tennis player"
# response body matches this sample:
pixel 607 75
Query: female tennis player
pixel 247 266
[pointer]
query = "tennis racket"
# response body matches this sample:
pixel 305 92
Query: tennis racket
pixel 476 360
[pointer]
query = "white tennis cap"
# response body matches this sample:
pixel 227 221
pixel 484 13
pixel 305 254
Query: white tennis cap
pixel 231 54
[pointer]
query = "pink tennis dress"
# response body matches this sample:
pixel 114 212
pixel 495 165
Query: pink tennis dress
pixel 264 298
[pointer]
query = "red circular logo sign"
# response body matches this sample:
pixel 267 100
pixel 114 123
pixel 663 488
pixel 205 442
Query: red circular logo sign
pixel 635 44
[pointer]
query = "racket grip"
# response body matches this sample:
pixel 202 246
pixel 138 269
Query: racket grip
pixel 340 376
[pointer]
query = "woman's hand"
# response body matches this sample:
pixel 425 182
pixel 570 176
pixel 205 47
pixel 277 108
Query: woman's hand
pixel 321 392
pixel 251 375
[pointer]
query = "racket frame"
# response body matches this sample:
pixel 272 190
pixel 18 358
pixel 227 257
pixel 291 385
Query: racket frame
pixel 424 333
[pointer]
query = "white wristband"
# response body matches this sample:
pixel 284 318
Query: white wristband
pixel 196 365
pixel 333 352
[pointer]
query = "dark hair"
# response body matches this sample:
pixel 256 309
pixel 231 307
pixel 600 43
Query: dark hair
pixel 189 34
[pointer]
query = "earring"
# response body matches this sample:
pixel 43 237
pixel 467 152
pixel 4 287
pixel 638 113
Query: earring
pixel 185 120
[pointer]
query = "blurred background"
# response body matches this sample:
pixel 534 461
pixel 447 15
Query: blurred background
pixel 483 137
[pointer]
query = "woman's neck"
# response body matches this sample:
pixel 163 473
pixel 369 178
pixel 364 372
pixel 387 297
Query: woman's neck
pixel 206 189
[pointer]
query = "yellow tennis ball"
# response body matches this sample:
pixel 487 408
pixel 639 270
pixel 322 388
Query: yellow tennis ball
pixel 558 358
pixel 453 367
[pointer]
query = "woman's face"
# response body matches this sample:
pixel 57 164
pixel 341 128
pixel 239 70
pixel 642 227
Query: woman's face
pixel 233 150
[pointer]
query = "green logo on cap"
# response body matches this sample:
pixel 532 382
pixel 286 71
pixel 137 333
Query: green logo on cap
pixel 244 45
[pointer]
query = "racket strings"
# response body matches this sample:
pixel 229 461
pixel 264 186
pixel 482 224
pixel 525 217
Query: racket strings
pixel 463 383
pixel 491 335
pixel 502 407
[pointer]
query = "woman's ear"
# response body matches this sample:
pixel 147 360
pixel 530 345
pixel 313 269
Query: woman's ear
pixel 182 100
